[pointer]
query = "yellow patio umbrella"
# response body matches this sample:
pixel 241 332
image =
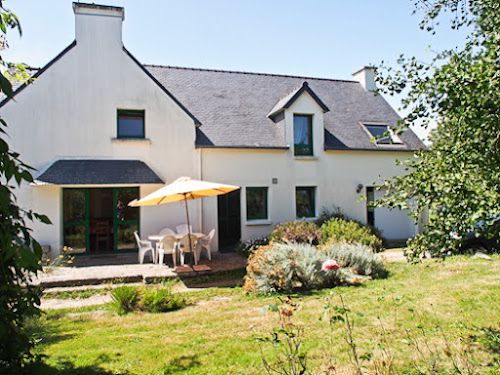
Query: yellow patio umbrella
pixel 183 189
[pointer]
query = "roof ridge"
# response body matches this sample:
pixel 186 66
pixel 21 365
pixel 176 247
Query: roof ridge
pixel 249 73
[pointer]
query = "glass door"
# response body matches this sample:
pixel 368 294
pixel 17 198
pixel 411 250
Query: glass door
pixel 76 220
pixel 99 220
pixel 126 219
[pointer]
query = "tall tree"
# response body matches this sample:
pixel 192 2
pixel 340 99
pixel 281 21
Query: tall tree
pixel 19 253
pixel 458 179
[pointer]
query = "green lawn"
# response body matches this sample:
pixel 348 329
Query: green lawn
pixel 215 333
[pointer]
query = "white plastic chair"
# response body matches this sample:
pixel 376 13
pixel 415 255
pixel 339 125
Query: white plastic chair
pixel 144 247
pixel 205 243
pixel 183 229
pixel 184 247
pixel 164 232
pixel 168 245
pixel 167 232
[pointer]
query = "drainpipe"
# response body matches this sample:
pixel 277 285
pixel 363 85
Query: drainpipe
pixel 199 208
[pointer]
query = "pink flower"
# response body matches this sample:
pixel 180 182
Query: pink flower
pixel 329 264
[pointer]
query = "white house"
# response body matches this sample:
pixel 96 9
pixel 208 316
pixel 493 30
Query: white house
pixel 103 129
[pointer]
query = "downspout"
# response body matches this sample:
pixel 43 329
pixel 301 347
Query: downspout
pixel 199 207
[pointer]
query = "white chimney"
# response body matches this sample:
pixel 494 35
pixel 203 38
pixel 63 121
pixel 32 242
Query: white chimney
pixel 98 25
pixel 366 76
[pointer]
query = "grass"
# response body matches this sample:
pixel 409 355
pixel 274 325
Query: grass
pixel 215 333
pixel 77 293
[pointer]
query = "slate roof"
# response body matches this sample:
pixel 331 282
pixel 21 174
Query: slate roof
pixel 98 172
pixel 233 108
pixel 286 101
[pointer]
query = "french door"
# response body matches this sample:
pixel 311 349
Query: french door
pixel 99 221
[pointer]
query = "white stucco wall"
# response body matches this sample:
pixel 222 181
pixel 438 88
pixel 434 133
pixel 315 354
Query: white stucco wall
pixel 71 112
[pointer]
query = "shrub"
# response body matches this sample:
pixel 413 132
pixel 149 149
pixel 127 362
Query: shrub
pixel 357 258
pixel 337 230
pixel 296 232
pixel 160 300
pixel 246 248
pixel 326 215
pixel 124 299
pixel 285 267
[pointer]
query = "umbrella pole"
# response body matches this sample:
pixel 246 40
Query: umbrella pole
pixel 189 231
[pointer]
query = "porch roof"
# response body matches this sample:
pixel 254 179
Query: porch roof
pixel 98 172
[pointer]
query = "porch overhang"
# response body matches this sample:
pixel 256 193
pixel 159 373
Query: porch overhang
pixel 98 172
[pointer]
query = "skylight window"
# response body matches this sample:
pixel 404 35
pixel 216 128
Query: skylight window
pixel 382 134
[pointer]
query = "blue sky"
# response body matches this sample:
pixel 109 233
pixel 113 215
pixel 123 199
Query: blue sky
pixel 315 38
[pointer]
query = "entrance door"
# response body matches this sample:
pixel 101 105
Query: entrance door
pixel 229 220
pixel 98 221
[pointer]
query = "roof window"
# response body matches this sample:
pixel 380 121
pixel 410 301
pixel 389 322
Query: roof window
pixel 382 134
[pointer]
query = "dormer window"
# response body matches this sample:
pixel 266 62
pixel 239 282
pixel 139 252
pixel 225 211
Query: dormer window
pixel 302 135
pixel 382 134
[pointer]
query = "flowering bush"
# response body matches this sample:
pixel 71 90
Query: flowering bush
pixel 280 267
pixel 246 248
pixel 338 230
pixel 296 232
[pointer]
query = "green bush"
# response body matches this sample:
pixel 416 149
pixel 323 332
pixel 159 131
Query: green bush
pixel 160 300
pixel 326 215
pixel 358 258
pixel 124 299
pixel 286 267
pixel 246 248
pixel 154 299
pixel 337 230
pixel 296 232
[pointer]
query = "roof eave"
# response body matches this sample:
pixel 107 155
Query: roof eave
pixel 39 72
pixel 244 147
pixel 163 88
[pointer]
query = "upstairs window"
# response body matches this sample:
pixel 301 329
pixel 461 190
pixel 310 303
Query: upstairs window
pixel 305 204
pixel 256 203
pixel 382 134
pixel 130 123
pixel 302 135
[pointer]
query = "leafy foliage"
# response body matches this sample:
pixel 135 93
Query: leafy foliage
pixel 124 299
pixel 286 339
pixel 358 258
pixel 327 215
pixel 286 267
pixel 338 230
pixel 20 254
pixel 246 248
pixel 161 300
pixel 296 232
pixel 460 91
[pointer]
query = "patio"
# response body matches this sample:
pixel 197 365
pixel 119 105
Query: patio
pixel 101 269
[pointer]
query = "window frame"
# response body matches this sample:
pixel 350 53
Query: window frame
pixel 266 202
pixel 130 112
pixel 310 147
pixel 389 139
pixel 313 203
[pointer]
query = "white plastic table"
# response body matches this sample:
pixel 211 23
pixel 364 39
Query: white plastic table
pixel 157 237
